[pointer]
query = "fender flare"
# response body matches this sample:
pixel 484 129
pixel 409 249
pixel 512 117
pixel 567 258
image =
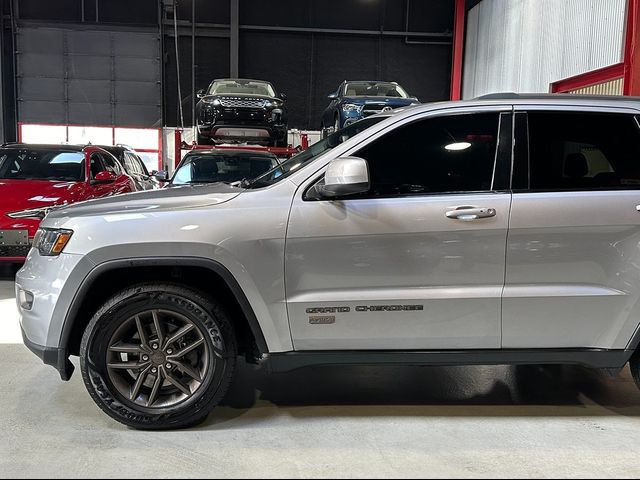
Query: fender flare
pixel 214 266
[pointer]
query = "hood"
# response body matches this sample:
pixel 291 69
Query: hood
pixel 20 195
pixel 151 201
pixel 390 101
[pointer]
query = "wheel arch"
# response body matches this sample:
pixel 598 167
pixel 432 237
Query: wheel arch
pixel 190 271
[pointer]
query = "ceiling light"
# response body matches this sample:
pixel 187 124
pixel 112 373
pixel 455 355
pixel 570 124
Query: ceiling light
pixel 457 147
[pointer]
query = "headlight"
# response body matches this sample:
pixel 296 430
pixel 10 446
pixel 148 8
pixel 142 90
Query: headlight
pixel 215 102
pixel 350 107
pixel 31 213
pixel 50 242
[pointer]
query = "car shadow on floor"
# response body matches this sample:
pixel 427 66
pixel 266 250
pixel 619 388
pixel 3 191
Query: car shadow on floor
pixel 496 391
pixel 8 272
pixel 7 277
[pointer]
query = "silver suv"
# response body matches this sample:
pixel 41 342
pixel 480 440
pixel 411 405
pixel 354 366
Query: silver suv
pixel 497 231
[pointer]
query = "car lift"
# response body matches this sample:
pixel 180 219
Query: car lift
pixel 280 152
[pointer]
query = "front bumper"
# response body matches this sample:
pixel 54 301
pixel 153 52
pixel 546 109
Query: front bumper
pixel 52 282
pixel 242 124
pixel 57 358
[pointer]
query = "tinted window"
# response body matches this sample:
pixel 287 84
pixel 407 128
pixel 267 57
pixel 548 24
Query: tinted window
pixel 582 151
pixel 222 168
pixel 445 154
pixel 42 165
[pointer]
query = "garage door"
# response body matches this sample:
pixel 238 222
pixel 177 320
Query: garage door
pixel 84 77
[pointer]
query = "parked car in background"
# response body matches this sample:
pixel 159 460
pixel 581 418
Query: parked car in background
pixel 134 166
pixel 218 165
pixel 242 111
pixel 36 178
pixel 353 101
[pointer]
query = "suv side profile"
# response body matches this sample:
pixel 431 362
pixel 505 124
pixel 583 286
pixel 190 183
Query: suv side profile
pixel 494 231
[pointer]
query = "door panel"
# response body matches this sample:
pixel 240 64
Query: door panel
pixel 573 270
pixel 391 254
pixel 573 251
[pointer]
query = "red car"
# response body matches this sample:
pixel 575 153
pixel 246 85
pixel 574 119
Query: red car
pixel 36 178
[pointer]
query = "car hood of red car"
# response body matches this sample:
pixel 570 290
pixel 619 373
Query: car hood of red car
pixel 17 195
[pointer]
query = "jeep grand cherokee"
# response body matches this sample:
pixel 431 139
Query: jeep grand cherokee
pixel 495 231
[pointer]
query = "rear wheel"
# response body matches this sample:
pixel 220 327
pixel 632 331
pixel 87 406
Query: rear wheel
pixel 158 356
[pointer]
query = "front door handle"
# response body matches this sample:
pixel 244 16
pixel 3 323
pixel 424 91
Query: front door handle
pixel 469 213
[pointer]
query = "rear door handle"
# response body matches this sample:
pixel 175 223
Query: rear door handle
pixel 468 213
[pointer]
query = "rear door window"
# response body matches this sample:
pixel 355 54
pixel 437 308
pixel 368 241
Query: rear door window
pixel 583 151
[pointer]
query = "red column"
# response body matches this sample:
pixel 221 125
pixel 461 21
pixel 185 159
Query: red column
pixel 631 50
pixel 458 49
pixel 177 148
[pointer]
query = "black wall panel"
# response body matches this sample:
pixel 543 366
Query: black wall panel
pixel 212 61
pixel 210 11
pixel 108 11
pixel 424 15
pixel 127 11
pixel 65 10
pixel 285 60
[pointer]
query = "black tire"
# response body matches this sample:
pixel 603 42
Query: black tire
pixel 202 140
pixel 208 322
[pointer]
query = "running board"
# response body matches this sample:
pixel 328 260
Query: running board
pixel 592 358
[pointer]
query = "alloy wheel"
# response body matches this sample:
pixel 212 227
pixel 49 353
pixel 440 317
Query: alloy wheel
pixel 158 359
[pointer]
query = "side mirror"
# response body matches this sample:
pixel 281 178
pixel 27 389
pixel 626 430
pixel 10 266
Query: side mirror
pixel 103 178
pixel 283 96
pixel 346 176
pixel 201 94
pixel 162 176
pixel 333 96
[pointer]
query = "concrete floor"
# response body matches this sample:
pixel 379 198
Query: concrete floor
pixel 333 422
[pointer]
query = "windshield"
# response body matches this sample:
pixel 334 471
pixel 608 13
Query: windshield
pixel 296 162
pixel 241 87
pixel 211 168
pixel 42 165
pixel 374 89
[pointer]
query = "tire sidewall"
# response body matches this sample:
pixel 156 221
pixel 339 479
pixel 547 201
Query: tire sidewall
pixel 216 331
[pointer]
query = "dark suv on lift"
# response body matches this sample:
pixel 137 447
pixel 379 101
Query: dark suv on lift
pixel 238 110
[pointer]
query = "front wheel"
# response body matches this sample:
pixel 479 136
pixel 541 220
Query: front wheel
pixel 158 356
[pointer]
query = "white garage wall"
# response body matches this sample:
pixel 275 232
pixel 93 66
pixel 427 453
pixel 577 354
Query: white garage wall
pixel 525 45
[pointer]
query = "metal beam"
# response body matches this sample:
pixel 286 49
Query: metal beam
pixel 234 45
pixel 222 29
